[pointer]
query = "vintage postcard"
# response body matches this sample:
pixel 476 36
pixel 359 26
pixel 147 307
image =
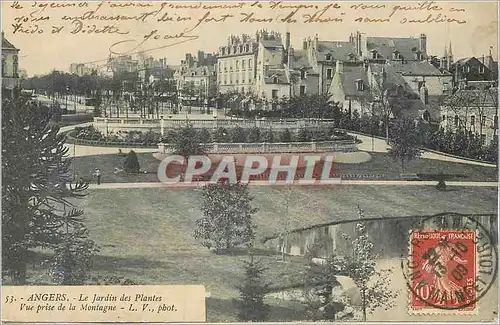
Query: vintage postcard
pixel 253 161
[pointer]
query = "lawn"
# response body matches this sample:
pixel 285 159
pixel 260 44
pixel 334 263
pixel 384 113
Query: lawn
pixel 381 166
pixel 147 234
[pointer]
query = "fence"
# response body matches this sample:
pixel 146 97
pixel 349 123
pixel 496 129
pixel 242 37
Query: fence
pixel 264 147
pixel 114 123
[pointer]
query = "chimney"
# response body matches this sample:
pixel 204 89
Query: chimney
pixel 287 41
pixel 338 67
pixel 358 44
pixel 304 44
pixel 422 43
pixel 316 42
pixel 351 39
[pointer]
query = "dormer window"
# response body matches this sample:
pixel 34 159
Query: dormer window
pixel 223 51
pixel 375 54
pixel 247 48
pixel 328 57
pixel 275 79
pixel 419 56
pixel 360 85
pixel 192 74
pixel 396 55
pixel 352 57
pixel 481 69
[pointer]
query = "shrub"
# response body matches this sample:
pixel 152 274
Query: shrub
pixel 286 136
pixel 131 163
pixel 254 135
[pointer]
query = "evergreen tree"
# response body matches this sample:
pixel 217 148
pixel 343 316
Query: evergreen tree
pixel 36 184
pixel 251 305
pixel 227 220
pixel 131 163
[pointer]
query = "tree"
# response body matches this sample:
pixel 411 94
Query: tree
pixel 187 142
pixel 131 163
pixel 36 185
pixel 319 281
pixel 404 141
pixel 72 258
pixel 373 284
pixel 227 220
pixel 251 305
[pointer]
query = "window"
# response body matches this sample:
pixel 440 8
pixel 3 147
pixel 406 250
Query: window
pixel 483 138
pixel 472 120
pixel 374 54
pixel 249 63
pixel 220 67
pixel 328 57
pixel 275 79
pixel 420 84
pixel 241 48
pixel 352 57
pixel 223 51
pixel 243 64
pixel 243 80
pixel 444 118
pixel 481 69
pixel 3 65
pixel 247 48
pixel 275 93
pixel 237 65
pixel 483 121
pixel 234 49
pixel 243 89
pixel 329 73
pixel 16 64
pixel 302 74
pixel 456 120
pixel 396 55
pixel 359 85
pixel 302 90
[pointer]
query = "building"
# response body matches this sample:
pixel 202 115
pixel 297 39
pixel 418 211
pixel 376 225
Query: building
pixel 196 78
pixel 122 65
pixel 304 79
pixel 474 69
pixel 382 49
pixel 81 69
pixel 351 88
pixel 237 63
pixel 323 56
pixel 272 74
pixel 473 110
pixel 10 65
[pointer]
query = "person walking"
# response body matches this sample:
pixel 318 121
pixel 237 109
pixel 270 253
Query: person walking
pixel 97 174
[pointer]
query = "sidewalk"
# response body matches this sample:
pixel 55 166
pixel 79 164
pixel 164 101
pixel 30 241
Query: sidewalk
pixel 265 183
pixel 381 146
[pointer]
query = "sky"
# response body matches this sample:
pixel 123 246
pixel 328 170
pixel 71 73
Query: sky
pixel 42 52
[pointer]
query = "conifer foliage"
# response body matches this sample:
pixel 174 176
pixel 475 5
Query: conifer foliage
pixel 37 185
pixel 251 305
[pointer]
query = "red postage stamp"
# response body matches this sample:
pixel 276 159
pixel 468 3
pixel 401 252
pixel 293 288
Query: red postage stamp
pixel 443 270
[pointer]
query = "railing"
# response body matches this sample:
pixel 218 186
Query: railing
pixel 264 147
pixel 212 123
